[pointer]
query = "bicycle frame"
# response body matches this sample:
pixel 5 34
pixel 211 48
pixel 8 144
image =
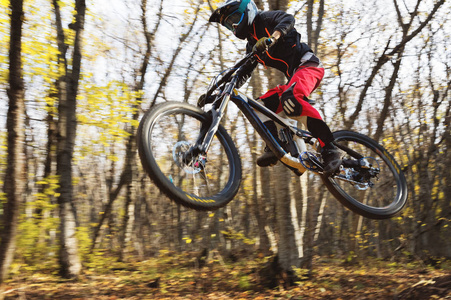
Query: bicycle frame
pixel 249 107
pixel 365 165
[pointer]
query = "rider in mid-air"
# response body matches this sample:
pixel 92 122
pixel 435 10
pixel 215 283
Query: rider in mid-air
pixel 272 33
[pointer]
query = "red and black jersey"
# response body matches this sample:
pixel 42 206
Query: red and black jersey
pixel 286 54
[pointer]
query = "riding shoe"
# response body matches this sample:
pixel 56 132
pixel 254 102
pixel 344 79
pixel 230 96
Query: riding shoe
pixel 268 158
pixel 331 159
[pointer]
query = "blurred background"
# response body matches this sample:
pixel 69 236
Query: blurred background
pixel 388 73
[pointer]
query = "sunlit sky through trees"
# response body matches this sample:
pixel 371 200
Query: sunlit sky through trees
pixel 114 41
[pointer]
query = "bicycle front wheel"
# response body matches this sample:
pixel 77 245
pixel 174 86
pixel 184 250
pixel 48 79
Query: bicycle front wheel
pixel 202 182
pixel 371 183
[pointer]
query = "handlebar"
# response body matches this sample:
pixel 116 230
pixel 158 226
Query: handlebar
pixel 232 70
pixel 269 42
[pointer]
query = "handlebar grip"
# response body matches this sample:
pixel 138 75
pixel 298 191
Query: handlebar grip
pixel 270 41
pixel 260 47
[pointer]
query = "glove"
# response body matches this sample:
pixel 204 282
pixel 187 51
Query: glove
pixel 263 44
pixel 203 100
pixel 247 70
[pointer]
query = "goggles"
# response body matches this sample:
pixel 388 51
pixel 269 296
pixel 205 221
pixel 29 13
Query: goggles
pixel 233 20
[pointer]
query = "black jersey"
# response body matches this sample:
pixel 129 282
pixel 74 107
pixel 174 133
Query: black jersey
pixel 286 54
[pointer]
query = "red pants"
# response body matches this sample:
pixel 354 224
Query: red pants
pixel 305 81
pixel 291 98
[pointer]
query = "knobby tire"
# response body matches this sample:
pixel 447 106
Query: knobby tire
pixel 388 195
pixel 166 131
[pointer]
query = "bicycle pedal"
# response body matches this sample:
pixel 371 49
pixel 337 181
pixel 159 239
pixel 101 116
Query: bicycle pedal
pixel 310 162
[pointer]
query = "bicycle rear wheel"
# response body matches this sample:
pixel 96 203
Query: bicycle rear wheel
pixel 371 183
pixel 165 134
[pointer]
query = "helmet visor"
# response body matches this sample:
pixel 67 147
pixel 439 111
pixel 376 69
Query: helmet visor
pixel 233 20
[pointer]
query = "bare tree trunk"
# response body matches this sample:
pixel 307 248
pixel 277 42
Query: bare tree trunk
pixel 15 173
pixel 128 220
pixel 313 33
pixel 303 207
pixel 67 91
pixel 322 205
pixel 388 97
pixel 261 193
pixel 288 250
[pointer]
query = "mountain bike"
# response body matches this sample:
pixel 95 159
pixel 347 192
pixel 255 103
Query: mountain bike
pixel 192 159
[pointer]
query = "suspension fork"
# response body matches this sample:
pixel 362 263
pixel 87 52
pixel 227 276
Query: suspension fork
pixel 195 149
pixel 208 132
pixel 217 116
pixel 204 139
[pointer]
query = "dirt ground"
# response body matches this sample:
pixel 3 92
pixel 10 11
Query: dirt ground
pixel 172 280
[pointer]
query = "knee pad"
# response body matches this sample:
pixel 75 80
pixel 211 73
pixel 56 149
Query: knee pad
pixel 290 104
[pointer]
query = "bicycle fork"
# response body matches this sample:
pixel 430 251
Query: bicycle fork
pixel 206 135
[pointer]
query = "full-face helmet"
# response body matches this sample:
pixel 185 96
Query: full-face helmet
pixel 236 15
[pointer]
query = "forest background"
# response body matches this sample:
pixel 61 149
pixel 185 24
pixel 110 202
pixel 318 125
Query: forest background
pixel 73 190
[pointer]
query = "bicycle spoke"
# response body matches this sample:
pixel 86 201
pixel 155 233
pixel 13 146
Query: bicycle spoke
pixel 376 186
pixel 173 136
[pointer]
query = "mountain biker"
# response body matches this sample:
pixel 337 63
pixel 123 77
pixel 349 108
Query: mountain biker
pixel 272 33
